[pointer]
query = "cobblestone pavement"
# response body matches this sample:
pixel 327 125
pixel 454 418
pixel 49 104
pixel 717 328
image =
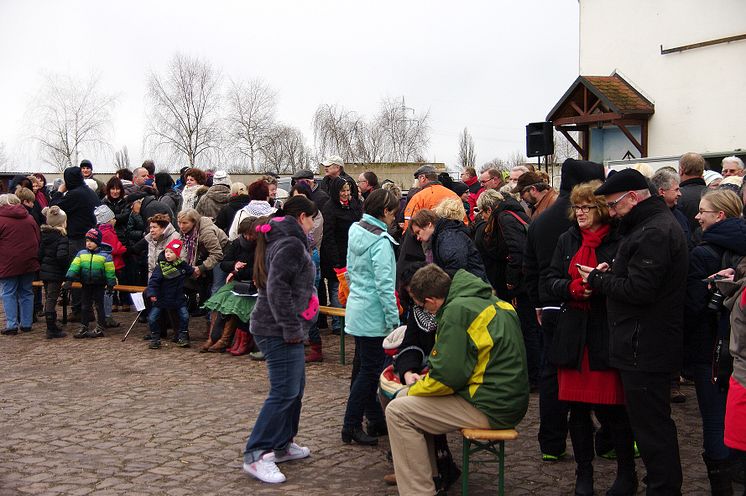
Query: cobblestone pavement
pixel 111 418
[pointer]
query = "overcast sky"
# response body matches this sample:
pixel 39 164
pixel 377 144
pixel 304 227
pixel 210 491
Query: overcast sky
pixel 492 66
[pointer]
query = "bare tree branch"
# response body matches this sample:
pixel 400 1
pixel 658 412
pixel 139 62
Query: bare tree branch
pixel 251 116
pixel 71 117
pixel 467 157
pixel 184 109
pixel 122 158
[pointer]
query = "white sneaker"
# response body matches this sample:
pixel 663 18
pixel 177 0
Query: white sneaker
pixel 265 470
pixel 294 452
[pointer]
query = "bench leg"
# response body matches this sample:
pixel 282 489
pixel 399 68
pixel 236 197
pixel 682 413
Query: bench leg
pixel 465 468
pixel 501 477
pixel 342 341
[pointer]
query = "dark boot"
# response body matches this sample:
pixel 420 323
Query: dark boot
pixel 183 341
pixel 82 332
pixel 52 330
pixel 614 418
pixel 584 479
pixel 718 471
pixel 315 355
pixel 358 435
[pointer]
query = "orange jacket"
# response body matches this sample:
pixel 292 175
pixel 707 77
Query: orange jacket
pixel 427 197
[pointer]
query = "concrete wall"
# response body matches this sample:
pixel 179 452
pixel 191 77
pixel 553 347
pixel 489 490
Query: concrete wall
pixel 699 94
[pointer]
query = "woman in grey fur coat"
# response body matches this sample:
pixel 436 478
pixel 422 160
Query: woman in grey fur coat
pixel 286 307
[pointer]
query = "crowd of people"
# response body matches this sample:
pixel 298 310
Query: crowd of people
pixel 602 296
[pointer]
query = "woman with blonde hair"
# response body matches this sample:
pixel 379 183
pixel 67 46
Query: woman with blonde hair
pixel 723 245
pixel 446 238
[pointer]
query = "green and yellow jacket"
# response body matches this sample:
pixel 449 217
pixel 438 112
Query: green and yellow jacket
pixel 92 267
pixel 478 353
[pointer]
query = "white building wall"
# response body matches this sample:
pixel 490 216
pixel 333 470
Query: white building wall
pixel 699 94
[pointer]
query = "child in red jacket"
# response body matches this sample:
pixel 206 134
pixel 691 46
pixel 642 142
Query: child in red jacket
pixel 106 220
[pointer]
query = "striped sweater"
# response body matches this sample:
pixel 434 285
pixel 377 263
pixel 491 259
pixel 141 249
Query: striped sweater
pixel 92 267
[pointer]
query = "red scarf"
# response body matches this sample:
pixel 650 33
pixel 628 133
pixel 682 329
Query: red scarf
pixel 586 255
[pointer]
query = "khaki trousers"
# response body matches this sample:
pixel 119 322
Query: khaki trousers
pixel 410 419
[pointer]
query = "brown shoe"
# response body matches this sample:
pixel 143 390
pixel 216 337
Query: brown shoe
pixel 115 308
pixel 225 338
pixel 206 345
pixel 390 479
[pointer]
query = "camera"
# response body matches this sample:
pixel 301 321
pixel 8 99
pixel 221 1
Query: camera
pixel 716 299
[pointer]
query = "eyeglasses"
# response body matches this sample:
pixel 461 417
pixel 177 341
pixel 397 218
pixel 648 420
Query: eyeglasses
pixel 583 208
pixel 709 211
pixel 613 204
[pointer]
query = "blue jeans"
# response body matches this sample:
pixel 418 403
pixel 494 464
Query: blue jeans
pixel 712 408
pixel 18 293
pixel 155 314
pixel 363 398
pixel 277 423
pixel 333 285
pixel 218 279
pixel 314 337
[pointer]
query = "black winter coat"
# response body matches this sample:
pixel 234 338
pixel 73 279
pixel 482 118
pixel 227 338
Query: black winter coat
pixel 691 193
pixel 453 249
pixel 172 199
pixel 319 197
pixel 337 221
pixel 502 251
pixel 224 219
pixel 645 290
pixel 121 214
pixel 78 202
pixel 723 244
pixel 557 280
pixel 546 229
pixel 54 256
pixel 239 250
pixel 418 342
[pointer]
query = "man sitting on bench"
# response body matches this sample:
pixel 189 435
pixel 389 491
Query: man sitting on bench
pixel 477 377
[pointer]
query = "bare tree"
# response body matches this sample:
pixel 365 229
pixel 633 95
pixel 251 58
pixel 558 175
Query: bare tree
pixel 516 158
pixel 3 157
pixel 184 109
pixel 467 157
pixel 284 150
pixel 563 149
pixel 251 115
pixel 71 117
pixel 122 158
pixel 406 132
pixel 337 132
pixel 495 163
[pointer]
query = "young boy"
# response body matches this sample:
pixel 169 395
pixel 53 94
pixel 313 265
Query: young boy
pixel 166 291
pixel 94 268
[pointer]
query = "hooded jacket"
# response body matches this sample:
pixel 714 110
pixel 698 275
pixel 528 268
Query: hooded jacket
pixel 78 202
pixel 453 249
pixel 19 241
pixel 172 199
pixel 722 244
pixel 53 254
pixel 255 209
pixel 155 247
pixel 645 290
pixel 545 230
pixel 337 221
pixel 210 244
pixel 478 353
pixel 166 282
pixel 93 267
pixel 239 250
pixel 290 283
pixel 214 200
pixel 371 268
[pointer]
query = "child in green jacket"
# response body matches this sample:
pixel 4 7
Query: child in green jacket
pixel 94 268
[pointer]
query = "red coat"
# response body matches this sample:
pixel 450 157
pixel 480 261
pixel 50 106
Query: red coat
pixel 19 241
pixel 109 236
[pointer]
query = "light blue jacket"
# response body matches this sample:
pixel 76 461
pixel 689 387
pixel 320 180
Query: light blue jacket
pixel 371 271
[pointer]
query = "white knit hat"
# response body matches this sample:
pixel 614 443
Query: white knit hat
pixel 103 214
pixel 221 177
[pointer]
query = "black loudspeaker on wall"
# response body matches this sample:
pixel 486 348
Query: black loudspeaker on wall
pixel 539 139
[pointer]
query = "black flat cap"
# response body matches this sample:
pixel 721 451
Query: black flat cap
pixel 425 169
pixel 622 181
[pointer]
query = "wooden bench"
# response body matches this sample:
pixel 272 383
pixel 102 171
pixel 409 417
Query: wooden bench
pixel 76 285
pixel 489 440
pixel 337 312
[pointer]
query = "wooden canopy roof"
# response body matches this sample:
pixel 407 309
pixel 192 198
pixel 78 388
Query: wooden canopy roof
pixel 599 100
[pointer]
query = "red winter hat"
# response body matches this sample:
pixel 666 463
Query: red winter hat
pixel 175 246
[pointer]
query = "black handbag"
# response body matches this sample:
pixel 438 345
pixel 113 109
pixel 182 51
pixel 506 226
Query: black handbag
pixel 567 343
